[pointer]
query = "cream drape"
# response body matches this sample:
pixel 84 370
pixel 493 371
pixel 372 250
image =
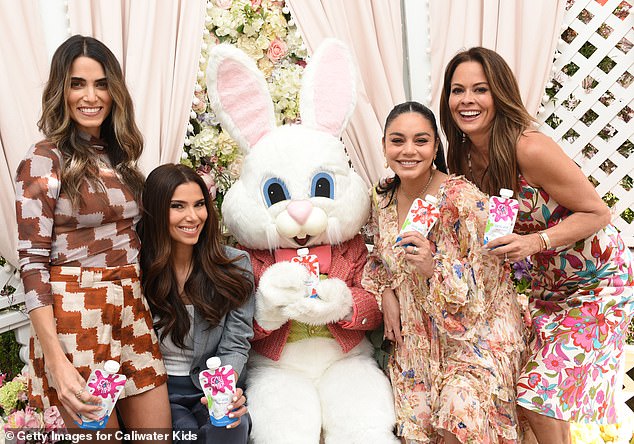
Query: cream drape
pixel 524 32
pixel 373 31
pixel 23 72
pixel 158 46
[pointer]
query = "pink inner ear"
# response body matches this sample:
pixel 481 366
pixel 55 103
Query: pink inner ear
pixel 243 101
pixel 333 91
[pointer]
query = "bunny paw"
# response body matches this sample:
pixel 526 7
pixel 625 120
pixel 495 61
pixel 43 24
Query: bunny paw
pixel 333 304
pixel 280 285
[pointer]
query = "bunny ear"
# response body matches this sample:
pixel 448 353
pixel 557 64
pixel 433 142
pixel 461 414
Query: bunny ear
pixel 329 92
pixel 239 96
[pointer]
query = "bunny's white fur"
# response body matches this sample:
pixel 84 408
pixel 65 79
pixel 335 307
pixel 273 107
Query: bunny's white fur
pixel 296 189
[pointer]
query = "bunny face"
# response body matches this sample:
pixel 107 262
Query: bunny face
pixel 296 189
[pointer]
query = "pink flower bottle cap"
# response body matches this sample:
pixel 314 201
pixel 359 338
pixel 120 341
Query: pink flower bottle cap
pixel 213 362
pixel 111 366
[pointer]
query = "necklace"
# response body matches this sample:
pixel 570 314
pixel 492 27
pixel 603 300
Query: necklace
pixel 431 176
pixel 422 193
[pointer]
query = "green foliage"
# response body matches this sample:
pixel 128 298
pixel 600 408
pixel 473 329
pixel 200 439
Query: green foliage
pixel 10 362
pixel 553 121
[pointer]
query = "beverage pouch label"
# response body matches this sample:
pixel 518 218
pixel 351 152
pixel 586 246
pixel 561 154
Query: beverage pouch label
pixel 107 387
pixel 311 263
pixel 421 217
pixel 501 220
pixel 219 386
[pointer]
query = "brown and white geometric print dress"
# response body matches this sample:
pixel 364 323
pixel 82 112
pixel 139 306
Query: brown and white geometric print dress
pixel 84 262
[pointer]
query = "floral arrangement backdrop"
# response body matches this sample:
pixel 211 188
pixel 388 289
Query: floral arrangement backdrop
pixel 265 30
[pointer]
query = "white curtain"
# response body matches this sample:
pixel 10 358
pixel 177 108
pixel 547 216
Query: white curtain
pixel 524 32
pixel 23 72
pixel 158 45
pixel 373 31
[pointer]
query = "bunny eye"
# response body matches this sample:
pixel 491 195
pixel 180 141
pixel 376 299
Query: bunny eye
pixel 323 186
pixel 275 191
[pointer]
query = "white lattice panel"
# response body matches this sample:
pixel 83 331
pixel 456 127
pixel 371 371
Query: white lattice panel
pixel 589 104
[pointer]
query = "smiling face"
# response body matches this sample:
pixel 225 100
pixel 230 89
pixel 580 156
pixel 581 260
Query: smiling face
pixel 470 99
pixel 88 98
pixel 410 146
pixel 187 214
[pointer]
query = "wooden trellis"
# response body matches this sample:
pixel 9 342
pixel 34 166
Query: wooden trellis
pixel 588 105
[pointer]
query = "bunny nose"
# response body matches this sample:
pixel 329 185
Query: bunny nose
pixel 299 210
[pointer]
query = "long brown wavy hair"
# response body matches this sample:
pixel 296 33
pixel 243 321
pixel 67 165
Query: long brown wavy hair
pixel 216 284
pixel 510 121
pixel 119 129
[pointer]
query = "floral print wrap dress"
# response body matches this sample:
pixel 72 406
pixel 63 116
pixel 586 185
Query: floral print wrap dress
pixel 462 329
pixel 581 305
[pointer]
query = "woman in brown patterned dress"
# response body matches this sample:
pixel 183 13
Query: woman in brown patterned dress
pixel 76 205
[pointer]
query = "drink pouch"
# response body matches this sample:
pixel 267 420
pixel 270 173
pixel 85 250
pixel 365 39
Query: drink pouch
pixel 502 215
pixel 421 217
pixel 106 384
pixel 311 263
pixel 219 385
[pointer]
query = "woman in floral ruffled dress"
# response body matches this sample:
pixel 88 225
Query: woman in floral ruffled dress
pixel 450 309
pixel 582 295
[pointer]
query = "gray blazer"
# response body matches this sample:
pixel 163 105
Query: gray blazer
pixel 230 339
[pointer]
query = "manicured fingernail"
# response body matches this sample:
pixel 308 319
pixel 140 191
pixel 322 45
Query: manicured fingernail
pixel 235 398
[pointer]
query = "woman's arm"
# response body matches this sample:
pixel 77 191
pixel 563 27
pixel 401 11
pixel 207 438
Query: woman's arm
pixel 234 344
pixel 36 197
pixel 66 379
pixel 545 165
pixel 376 277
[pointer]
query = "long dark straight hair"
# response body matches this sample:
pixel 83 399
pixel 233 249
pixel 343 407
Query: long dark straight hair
pixel 391 184
pixel 216 284
pixel 119 129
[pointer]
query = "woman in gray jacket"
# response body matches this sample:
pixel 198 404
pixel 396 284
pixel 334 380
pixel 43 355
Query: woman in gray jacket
pixel 200 294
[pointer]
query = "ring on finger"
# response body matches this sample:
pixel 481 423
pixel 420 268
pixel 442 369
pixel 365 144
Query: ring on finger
pixel 79 393
pixel 506 257
pixel 415 250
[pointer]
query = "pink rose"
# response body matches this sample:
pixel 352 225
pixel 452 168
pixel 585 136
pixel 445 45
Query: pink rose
pixel 207 176
pixel 15 420
pixel 255 4
pixel 33 419
pixel 224 4
pixel 28 418
pixel 53 420
pixel 277 50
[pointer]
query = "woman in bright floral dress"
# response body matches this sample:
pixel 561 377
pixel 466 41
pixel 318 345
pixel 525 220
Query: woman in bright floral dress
pixel 582 294
pixel 450 309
